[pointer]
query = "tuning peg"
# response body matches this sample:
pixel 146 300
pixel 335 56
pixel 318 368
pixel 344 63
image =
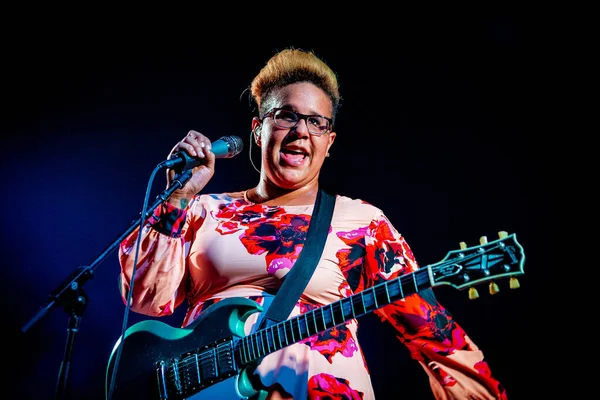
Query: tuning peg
pixel 502 234
pixel 483 240
pixel 514 283
pixel 473 293
pixel 463 245
pixel 494 288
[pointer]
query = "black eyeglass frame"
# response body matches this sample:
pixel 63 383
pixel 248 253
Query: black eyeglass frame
pixel 300 117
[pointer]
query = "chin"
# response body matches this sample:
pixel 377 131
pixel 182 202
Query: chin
pixel 291 179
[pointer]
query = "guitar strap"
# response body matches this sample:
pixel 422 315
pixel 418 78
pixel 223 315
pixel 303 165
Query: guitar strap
pixel 297 278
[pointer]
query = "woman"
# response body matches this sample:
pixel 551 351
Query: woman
pixel 204 248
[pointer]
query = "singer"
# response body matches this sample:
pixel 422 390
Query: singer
pixel 225 256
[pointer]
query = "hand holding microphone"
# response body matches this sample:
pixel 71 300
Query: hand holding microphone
pixel 196 152
pixel 225 147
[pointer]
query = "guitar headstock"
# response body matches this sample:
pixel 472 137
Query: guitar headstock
pixel 486 262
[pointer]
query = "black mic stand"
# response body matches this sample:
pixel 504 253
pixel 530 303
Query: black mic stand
pixel 70 293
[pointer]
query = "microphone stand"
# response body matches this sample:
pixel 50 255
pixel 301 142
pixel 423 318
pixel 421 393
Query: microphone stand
pixel 72 297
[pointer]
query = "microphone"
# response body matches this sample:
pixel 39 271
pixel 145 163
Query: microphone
pixel 225 147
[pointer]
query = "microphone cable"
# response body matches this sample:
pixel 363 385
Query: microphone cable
pixel 121 342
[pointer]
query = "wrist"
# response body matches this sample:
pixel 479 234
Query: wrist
pixel 179 201
pixel 168 219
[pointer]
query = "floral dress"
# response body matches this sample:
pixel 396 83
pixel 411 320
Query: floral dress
pixel 223 246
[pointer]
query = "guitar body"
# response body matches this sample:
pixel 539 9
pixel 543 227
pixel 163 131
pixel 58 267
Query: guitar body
pixel 150 342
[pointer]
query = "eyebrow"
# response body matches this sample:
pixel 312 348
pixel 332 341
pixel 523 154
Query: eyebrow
pixel 292 108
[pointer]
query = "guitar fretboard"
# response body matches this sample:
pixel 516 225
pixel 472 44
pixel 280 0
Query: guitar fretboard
pixel 293 330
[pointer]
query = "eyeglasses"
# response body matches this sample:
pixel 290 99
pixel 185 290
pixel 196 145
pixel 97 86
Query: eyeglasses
pixel 317 124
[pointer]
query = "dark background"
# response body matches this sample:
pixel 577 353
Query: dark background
pixel 431 130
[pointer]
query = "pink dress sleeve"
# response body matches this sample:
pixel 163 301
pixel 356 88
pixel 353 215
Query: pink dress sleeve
pixel 160 278
pixel 454 364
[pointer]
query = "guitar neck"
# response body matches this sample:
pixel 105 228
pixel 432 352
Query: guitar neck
pixel 460 268
pixel 285 333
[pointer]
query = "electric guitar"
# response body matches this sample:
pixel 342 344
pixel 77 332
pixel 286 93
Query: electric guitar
pixel 212 358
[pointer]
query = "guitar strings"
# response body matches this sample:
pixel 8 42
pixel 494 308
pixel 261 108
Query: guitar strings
pixel 249 347
pixel 253 346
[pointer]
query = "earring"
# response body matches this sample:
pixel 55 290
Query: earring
pixel 256 133
pixel 327 155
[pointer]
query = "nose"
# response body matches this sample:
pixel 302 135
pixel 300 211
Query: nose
pixel 301 127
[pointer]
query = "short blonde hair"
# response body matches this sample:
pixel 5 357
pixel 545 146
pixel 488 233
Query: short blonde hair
pixel 291 66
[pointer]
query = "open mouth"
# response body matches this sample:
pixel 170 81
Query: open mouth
pixel 293 157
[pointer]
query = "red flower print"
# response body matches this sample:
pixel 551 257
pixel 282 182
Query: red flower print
pixel 267 229
pixel 281 238
pixel 387 249
pixel 239 214
pixel 332 341
pixel 328 387
pixel 351 259
pixel 344 289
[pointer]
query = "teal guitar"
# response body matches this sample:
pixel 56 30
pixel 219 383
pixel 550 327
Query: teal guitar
pixel 213 359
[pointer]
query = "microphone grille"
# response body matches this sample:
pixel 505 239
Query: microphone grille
pixel 235 144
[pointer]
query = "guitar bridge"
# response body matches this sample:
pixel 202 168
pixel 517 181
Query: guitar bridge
pixel 194 371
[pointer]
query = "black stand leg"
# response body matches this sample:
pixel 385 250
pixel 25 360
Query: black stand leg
pixel 75 309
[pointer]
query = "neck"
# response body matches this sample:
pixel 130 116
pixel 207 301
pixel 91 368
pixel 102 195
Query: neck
pixel 268 194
